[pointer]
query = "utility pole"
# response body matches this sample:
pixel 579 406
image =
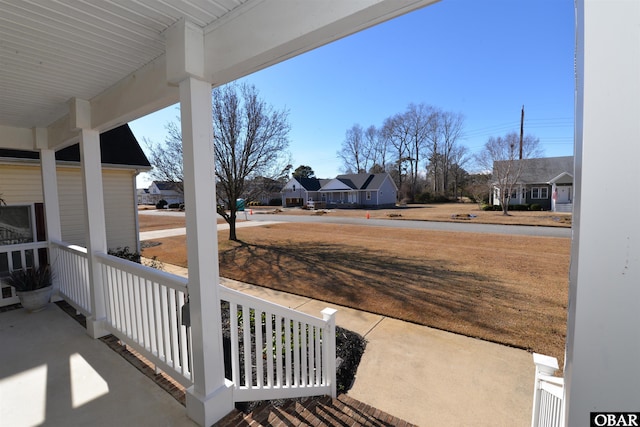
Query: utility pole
pixel 521 130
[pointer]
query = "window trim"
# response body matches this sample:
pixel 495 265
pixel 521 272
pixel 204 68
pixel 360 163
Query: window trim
pixel 539 193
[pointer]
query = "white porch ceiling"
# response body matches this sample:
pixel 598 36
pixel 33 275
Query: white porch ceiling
pixel 112 53
pixel 51 51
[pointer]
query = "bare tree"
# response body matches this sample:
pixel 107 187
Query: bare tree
pixel 451 125
pixel 501 155
pixel 417 119
pixel 250 139
pixel 458 158
pixel 395 131
pixel 479 187
pixel 355 152
pixel 378 149
pixel 167 158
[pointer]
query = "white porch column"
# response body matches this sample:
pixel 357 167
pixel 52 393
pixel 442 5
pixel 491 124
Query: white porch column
pixel 49 185
pixel 603 335
pixel 91 164
pixel 210 398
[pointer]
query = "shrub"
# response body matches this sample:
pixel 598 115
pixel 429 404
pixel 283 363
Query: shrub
pixel 427 197
pixel 424 197
pixel 275 201
pixel 535 207
pixel 161 204
pixel 518 207
pixel 174 206
pixel 125 253
pixel 488 207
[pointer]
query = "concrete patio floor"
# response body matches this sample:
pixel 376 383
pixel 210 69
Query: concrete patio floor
pixel 53 374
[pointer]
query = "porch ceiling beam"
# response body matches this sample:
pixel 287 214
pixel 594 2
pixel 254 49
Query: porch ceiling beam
pixel 15 138
pixel 280 30
pixel 140 93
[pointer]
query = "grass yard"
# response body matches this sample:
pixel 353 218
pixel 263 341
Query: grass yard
pixel 507 289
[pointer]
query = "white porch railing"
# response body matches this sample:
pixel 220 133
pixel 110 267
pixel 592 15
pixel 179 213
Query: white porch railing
pixel 13 257
pixel 144 310
pixel 548 394
pixel 291 353
pixel 70 268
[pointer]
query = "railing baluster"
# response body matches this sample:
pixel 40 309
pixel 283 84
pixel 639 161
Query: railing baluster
pixel 279 352
pixel 258 348
pixel 288 326
pixel 246 341
pixel 235 354
pixel 269 348
pixel 296 354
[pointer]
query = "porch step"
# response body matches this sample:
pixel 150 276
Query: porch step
pixel 316 411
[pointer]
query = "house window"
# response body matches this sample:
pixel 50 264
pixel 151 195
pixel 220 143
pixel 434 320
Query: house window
pixel 368 195
pixel 514 194
pixel 540 193
pixel 16 225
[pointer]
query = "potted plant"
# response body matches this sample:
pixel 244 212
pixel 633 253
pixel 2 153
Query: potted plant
pixel 33 286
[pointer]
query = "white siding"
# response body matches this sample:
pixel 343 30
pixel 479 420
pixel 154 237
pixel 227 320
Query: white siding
pixel 120 209
pixel 71 205
pixel 23 184
pixel 20 184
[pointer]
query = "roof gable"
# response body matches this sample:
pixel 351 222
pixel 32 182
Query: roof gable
pixel 117 147
pixel 336 184
pixel 364 181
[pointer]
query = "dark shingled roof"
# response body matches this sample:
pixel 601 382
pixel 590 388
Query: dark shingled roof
pixel 543 170
pixel 166 185
pixel 309 184
pixel 117 147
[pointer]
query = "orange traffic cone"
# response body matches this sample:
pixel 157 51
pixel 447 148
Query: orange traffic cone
pixel 250 211
pixel 368 216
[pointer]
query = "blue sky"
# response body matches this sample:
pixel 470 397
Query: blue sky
pixel 484 59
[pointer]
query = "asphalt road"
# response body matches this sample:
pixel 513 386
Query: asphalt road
pixel 422 225
pixel 468 227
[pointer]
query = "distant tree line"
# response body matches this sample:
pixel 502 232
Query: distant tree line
pixel 420 148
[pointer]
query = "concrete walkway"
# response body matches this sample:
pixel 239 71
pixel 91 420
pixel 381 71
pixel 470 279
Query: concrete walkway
pixel 171 232
pixel 53 374
pixel 426 376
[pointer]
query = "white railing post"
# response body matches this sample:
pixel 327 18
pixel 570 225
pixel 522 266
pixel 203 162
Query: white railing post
pixel 329 346
pixel 545 366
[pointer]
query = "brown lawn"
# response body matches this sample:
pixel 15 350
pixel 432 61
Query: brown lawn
pixel 508 289
pixel 162 222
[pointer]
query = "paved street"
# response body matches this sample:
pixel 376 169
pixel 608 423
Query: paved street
pixel 411 224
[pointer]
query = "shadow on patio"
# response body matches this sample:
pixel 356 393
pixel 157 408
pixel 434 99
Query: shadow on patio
pixel 53 373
